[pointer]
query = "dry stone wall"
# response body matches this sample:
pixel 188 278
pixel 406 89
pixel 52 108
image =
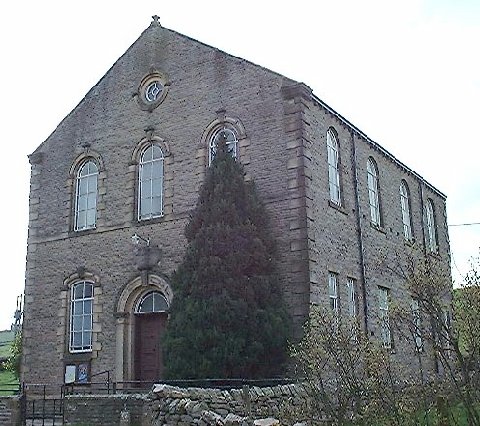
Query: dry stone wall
pixel 174 406
pixel 171 405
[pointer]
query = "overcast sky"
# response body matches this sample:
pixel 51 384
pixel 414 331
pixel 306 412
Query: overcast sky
pixel 406 73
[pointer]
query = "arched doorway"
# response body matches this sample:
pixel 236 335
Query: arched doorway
pixel 150 323
pixel 141 318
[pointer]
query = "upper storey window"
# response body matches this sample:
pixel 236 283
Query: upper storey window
pixel 86 196
pixel 406 216
pixel 430 232
pixel 373 192
pixel 150 183
pixel 223 134
pixel 333 167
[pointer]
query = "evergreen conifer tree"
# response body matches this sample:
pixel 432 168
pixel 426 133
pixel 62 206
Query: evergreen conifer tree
pixel 227 318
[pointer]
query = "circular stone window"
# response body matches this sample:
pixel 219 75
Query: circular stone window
pixel 152 91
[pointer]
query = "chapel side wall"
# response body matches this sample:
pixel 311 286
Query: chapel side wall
pixel 385 247
pixel 334 232
pixel 107 124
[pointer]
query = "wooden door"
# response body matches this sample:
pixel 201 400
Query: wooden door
pixel 149 329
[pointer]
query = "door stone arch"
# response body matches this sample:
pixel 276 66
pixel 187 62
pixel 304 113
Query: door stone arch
pixel 125 321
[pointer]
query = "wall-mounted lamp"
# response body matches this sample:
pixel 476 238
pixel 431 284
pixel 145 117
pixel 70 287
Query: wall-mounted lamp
pixel 137 238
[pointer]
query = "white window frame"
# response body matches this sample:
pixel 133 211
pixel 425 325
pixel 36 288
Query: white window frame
pixel 81 310
pixel 86 192
pixel 150 184
pixel 333 167
pixel 383 308
pixel 447 325
pixel 430 225
pixel 159 303
pixel 232 144
pixel 352 298
pixel 333 292
pixel 373 192
pixel 406 216
pixel 417 325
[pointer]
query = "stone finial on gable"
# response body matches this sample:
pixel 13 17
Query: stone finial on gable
pixel 155 21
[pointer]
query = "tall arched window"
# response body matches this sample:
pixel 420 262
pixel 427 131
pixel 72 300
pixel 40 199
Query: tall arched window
pixel 150 183
pixel 406 216
pixel 430 232
pixel 86 196
pixel 81 317
pixel 228 136
pixel 333 167
pixel 373 195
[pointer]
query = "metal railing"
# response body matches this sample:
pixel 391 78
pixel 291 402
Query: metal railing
pixel 42 402
pixel 45 403
pixel 139 386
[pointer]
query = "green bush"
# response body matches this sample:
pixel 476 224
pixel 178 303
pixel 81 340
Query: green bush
pixel 227 318
pixel 13 362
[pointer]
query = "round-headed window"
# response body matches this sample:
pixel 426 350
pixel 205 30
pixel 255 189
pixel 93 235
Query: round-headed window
pixel 152 302
pixel 226 135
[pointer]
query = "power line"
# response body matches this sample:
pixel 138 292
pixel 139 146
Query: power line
pixel 456 267
pixel 466 224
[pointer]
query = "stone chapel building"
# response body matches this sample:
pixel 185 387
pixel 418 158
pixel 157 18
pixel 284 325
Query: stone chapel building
pixel 112 188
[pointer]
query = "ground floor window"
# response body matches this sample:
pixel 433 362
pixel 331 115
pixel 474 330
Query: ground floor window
pixel 81 317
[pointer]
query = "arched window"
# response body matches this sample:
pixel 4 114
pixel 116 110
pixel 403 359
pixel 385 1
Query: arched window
pixel 373 195
pixel 150 183
pixel 226 134
pixel 152 302
pixel 333 167
pixel 431 232
pixel 406 216
pixel 86 196
pixel 81 317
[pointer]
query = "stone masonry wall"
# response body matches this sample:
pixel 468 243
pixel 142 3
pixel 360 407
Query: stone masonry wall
pixel 170 405
pixel 103 409
pixel 177 406
pixel 9 410
pixel 206 86
pixel 342 240
pixel 282 144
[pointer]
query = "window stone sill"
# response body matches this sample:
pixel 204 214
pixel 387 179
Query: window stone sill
pixel 378 228
pixel 337 207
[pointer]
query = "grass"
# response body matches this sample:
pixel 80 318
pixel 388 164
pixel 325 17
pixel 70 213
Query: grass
pixel 457 415
pixel 6 339
pixel 6 336
pixel 8 383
